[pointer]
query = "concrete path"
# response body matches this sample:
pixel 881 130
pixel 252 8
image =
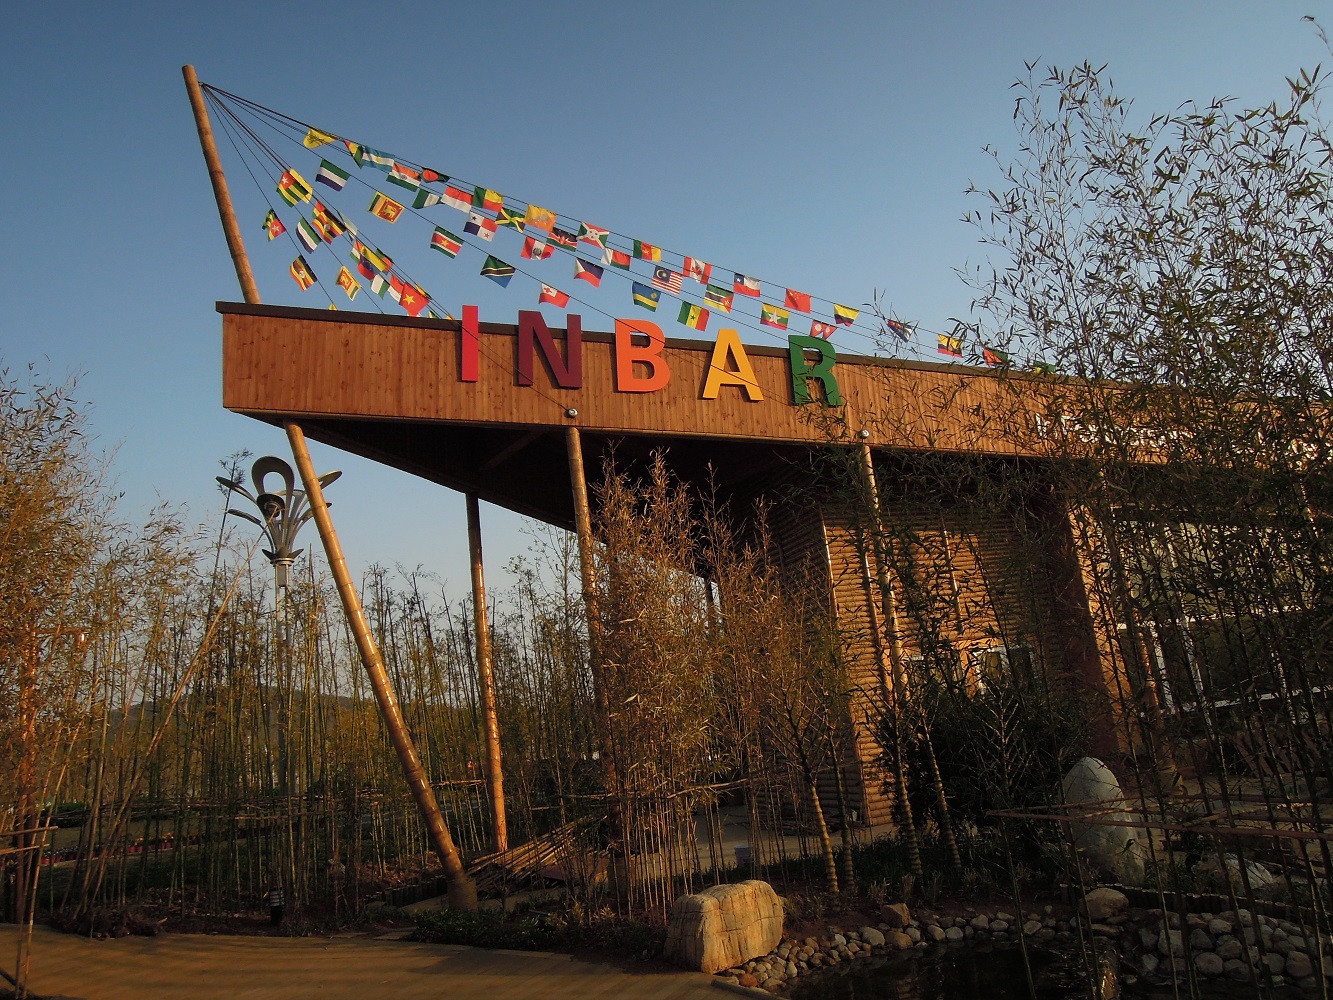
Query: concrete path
pixel 213 967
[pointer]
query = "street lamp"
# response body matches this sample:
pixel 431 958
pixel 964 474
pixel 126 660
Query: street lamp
pixel 284 512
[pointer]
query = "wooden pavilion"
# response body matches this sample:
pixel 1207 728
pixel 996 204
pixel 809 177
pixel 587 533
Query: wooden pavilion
pixel 513 414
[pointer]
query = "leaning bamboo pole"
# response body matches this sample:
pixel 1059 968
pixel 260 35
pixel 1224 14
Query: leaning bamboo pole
pixel 462 891
pixel 486 680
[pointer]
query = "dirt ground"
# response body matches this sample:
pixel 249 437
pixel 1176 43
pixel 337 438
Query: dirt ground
pixel 214 967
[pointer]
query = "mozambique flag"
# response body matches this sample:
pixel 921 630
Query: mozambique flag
pixel 348 283
pixel 719 298
pixel 445 242
pixel 646 296
pixel 510 217
pixel 385 207
pixel 301 273
pixel 273 225
pixel 646 251
pixel 845 315
pixel 1043 368
pixel 993 357
pixel 293 187
pixel 695 317
pixel 497 270
pixel 771 315
pixel 952 346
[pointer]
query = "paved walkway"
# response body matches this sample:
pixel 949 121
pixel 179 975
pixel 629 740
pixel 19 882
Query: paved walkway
pixel 213 967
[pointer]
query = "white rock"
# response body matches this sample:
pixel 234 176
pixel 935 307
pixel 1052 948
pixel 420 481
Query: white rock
pixel 1100 904
pixel 1117 851
pixel 872 937
pixel 724 925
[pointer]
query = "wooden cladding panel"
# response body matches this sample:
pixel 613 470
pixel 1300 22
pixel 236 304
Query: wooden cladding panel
pixel 279 362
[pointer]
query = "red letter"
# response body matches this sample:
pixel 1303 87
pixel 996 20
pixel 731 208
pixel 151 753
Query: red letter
pixel 650 354
pixel 469 345
pixel 567 374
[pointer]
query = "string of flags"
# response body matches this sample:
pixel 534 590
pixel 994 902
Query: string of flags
pixel 591 247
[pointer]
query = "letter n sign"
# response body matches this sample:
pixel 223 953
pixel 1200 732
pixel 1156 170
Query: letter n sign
pixel 567 373
pixel 802 373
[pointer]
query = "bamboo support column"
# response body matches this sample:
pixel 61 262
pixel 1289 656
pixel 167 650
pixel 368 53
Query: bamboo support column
pixel 462 891
pixel 490 725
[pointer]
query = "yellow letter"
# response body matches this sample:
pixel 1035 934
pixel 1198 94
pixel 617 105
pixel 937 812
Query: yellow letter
pixel 729 346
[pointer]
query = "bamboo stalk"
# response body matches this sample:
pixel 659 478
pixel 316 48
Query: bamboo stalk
pixel 486 680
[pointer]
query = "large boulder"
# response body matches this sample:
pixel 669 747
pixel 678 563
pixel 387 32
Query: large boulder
pixel 1117 852
pixel 724 926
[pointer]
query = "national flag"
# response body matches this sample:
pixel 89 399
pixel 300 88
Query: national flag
pixel 315 138
pixel 591 273
pixel 564 238
pixel 332 175
pixel 646 251
pixel 667 279
pixel 380 284
pixel 403 182
pixel 776 316
pixel 445 242
pixel 410 297
pixel 591 234
pixel 746 286
pixel 616 258
pixel 695 317
pixel 293 188
pixel 273 225
pixel 302 274
pixel 699 270
pixel 348 283
pixel 554 296
pixel 329 223
pixel 1043 368
pixel 510 217
pixel 844 315
pixel 377 159
pixel 480 226
pixel 385 207
pixel 719 298
pixel 405 172
pixel 903 331
pixel 305 232
pixel 994 358
pixel 377 260
pixel 797 300
pixel 818 329
pixel 491 201
pixel 952 346
pixel 535 249
pixel 429 176
pixel 497 270
pixel 425 199
pixel 364 266
pixel 540 218
pixel 646 296
pixel 456 198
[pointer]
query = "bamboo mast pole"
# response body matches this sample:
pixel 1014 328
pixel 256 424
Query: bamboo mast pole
pixel 486 679
pixel 462 890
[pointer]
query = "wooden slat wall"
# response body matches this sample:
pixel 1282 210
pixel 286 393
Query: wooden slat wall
pixel 307 363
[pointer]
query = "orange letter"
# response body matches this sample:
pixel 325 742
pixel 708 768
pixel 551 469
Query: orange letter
pixel 729 346
pixel 650 354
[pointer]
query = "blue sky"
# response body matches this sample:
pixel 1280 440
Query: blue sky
pixel 827 151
